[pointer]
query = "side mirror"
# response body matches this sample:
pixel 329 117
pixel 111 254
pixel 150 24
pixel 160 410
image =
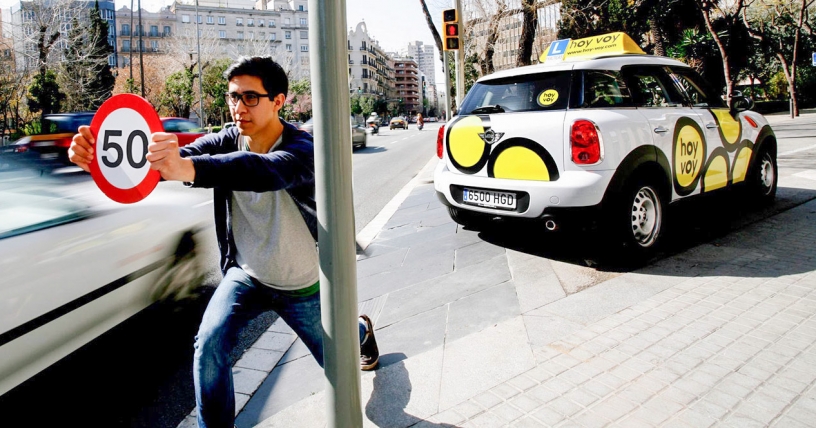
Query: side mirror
pixel 740 102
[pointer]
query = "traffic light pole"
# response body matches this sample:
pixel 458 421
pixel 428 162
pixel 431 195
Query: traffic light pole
pixel 335 212
pixel 460 58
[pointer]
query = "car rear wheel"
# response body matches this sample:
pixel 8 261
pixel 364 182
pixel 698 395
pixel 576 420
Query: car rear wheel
pixel 637 220
pixel 184 274
pixel 764 178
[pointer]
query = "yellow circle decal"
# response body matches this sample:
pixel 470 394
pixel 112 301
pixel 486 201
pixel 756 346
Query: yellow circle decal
pixel 547 97
pixel 520 163
pixel 729 127
pixel 466 147
pixel 741 164
pixel 716 176
pixel 688 155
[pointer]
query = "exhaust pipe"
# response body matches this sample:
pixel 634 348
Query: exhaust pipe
pixel 551 225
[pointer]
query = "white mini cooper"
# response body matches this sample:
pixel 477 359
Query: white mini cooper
pixel 616 135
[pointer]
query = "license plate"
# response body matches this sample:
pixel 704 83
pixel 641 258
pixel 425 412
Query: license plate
pixel 489 198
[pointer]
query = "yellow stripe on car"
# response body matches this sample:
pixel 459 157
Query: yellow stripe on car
pixel 741 162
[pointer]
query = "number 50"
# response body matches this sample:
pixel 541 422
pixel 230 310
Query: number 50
pixel 108 144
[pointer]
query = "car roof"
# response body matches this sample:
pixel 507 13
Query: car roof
pixel 608 62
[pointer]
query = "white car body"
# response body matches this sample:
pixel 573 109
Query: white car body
pixel 72 272
pixel 543 180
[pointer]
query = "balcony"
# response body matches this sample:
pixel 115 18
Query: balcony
pixel 351 61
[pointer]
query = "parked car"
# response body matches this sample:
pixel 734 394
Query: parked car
pixel 358 132
pixel 75 268
pixel 608 135
pixel 186 130
pixel 50 146
pixel 398 122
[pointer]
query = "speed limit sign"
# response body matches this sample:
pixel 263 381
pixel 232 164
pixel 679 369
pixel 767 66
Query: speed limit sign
pixel 121 130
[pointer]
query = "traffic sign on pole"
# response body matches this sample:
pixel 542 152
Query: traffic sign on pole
pixel 121 130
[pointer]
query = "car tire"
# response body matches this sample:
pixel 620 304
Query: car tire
pixel 468 219
pixel 184 274
pixel 637 222
pixel 763 178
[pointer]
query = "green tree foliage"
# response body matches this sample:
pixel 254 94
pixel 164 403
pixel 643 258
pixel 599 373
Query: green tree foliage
pixel 178 94
pixel 584 18
pixel 215 86
pixel 44 93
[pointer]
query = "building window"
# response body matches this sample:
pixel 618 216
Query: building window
pixel 261 35
pixel 287 35
pixel 166 32
pixel 303 21
pixel 304 34
pixel 222 34
pixel 304 48
pixel 300 8
pixel 260 22
pixel 250 22
pixel 126 45
pixel 288 48
pixel 273 36
pixel 154 45
pixel 210 19
pixel 154 31
pixel 271 22
pixel 125 30
pixel 251 35
pixel 240 35
pixel 222 20
pixel 239 21
pixel 199 19
pixel 185 19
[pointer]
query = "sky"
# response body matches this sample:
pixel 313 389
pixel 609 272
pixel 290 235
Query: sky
pixel 393 23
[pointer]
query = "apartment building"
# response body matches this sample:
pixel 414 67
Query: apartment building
pixel 27 17
pixel 478 14
pixel 150 34
pixel 425 56
pixel 370 71
pixel 6 46
pixel 407 84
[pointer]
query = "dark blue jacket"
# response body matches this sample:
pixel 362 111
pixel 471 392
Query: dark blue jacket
pixel 220 165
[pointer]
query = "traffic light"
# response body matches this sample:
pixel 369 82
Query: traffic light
pixel 450 22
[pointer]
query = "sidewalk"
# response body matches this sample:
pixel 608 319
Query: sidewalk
pixel 474 334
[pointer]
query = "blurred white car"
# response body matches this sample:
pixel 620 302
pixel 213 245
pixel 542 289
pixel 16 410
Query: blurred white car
pixel 73 270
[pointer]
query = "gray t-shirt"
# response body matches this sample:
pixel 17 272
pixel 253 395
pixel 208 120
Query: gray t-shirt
pixel 273 242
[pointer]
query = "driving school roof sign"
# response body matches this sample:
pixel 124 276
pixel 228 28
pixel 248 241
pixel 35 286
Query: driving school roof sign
pixel 590 47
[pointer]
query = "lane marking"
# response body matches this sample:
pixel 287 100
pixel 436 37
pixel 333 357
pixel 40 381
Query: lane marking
pixel 798 150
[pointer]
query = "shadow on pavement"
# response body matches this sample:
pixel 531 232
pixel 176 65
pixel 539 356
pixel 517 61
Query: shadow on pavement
pixel 391 395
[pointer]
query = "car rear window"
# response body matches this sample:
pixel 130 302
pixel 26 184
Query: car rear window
pixel 545 91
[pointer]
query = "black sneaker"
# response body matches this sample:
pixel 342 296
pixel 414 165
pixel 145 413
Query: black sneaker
pixel 369 353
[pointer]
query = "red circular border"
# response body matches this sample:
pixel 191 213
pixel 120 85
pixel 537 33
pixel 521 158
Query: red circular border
pixel 148 113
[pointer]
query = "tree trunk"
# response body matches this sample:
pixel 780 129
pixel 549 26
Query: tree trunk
pixel 528 30
pixel 657 35
pixel 431 26
pixel 729 84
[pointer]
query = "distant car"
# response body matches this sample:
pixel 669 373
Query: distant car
pixel 75 268
pixel 398 122
pixel 186 130
pixel 49 147
pixel 358 133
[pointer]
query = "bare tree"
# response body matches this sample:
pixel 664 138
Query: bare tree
pixel 730 12
pixel 772 23
pixel 529 12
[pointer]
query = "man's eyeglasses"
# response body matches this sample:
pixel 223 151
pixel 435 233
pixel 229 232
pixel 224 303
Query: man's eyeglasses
pixel 250 99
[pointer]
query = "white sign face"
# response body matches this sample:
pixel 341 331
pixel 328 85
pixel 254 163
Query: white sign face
pixel 814 59
pixel 121 148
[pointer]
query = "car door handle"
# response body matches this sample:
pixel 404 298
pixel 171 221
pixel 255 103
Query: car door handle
pixel 711 125
pixel 660 130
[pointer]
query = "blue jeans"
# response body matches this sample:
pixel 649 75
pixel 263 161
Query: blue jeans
pixel 238 299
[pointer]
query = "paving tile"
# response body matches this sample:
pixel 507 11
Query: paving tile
pixel 279 342
pixel 525 402
pixel 473 313
pixel 548 416
pixel 528 422
pixel 259 359
pixel 487 399
pixel 485 420
pixel 564 406
pixel 507 412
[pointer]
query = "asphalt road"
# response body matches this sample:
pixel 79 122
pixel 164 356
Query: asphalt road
pixel 139 374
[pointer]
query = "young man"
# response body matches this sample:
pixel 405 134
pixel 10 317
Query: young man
pixel 262 175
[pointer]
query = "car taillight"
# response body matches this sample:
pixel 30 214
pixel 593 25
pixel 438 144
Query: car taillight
pixel 439 137
pixel 21 149
pixel 585 143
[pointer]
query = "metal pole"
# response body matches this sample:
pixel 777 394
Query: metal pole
pixel 460 58
pixel 446 70
pixel 141 61
pixel 335 212
pixel 200 91
pixel 131 46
